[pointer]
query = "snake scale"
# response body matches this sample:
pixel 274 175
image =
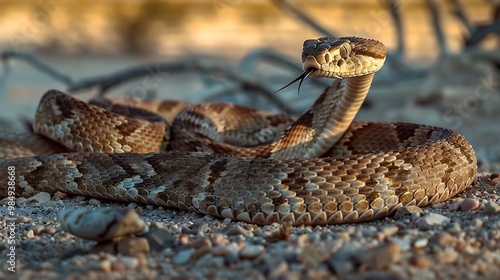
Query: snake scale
pixel 320 169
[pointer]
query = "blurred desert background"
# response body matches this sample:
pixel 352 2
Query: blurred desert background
pixel 443 69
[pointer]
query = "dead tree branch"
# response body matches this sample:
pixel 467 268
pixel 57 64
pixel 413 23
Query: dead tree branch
pixel 458 11
pixel 436 23
pixel 42 67
pixel 154 71
pixel 394 7
pixel 284 4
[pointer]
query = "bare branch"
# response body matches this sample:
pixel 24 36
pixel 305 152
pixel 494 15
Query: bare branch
pixel 250 62
pixel 285 5
pixel 481 32
pixel 458 11
pixel 105 82
pixel 394 7
pixel 437 27
pixel 42 67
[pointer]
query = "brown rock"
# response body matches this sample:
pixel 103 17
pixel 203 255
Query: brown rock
pixel 201 243
pixel 233 230
pixel 442 239
pixel 407 210
pixel 420 261
pixel 469 204
pixel 131 246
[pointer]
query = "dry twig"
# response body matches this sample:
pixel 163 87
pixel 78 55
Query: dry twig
pixel 106 82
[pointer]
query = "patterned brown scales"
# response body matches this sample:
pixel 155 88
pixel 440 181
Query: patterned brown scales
pixel 321 169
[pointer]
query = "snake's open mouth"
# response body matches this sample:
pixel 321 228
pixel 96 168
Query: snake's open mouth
pixel 300 78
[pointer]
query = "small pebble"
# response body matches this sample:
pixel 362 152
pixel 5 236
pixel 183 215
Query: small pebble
pixel 46 266
pixel 118 267
pixel 378 258
pixel 30 234
pixel 200 252
pixel 453 228
pixel 454 206
pixel 131 246
pixel 94 202
pixel 343 236
pixel 421 243
pixel 132 205
pixel 449 255
pixel 22 219
pixel 302 239
pixel 420 261
pixel 129 262
pixel 389 230
pixel 201 243
pixel 105 265
pixel 38 230
pixel 101 224
pixel 41 197
pixel 21 201
pixel 491 208
pixel 219 250
pixel 183 257
pixel 50 230
pixel 442 239
pixel 233 230
pixel 60 195
pixel 184 239
pixel 407 210
pixel 476 222
pixel 219 239
pixel 159 239
pixel 142 261
pixel 251 251
pixel 432 220
pixel 469 204
pixel 276 270
pixel 79 198
pixel 210 261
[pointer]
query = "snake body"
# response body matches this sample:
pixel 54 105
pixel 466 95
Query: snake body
pixel 319 169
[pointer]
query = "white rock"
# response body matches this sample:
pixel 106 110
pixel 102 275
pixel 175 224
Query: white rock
pixel 421 243
pixel 41 197
pixel 431 220
pixel 101 224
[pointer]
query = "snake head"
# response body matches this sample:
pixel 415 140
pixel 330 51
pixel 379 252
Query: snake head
pixel 342 57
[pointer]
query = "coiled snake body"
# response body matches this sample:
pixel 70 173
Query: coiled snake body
pixel 322 169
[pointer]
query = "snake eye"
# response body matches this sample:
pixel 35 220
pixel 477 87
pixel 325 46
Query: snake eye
pixel 328 57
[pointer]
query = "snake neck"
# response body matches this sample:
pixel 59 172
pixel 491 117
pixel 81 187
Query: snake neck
pixel 324 123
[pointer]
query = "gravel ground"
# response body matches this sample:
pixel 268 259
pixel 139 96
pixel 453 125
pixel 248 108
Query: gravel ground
pixel 458 239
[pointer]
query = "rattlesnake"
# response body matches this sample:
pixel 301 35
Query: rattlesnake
pixel 323 169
